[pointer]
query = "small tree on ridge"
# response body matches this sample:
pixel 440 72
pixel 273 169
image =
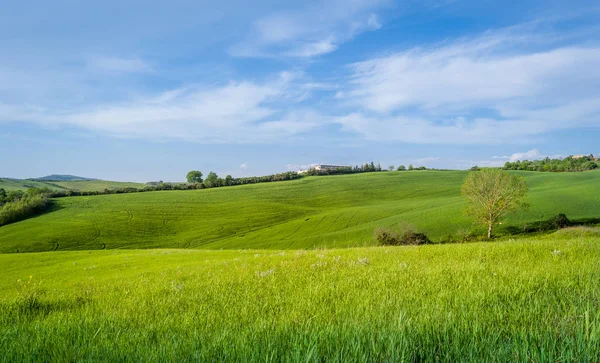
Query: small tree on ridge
pixel 194 176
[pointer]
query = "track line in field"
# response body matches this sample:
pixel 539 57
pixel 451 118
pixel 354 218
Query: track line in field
pixel 335 220
pixel 350 220
pixel 168 227
pixel 322 219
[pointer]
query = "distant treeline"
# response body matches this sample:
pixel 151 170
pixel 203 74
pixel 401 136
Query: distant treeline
pixel 366 168
pixel 568 164
pixel 18 205
pixel 212 181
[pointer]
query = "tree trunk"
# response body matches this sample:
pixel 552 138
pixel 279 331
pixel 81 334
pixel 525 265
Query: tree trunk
pixel 489 230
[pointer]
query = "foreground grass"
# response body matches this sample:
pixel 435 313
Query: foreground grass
pixel 534 300
pixel 314 212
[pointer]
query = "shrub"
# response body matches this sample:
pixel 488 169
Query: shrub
pixel 559 221
pixel 404 234
pixel 387 237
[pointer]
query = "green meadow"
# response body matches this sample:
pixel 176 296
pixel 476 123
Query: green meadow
pixel 534 299
pixel 313 212
pixel 75 185
pixel 23 184
pixel 96 185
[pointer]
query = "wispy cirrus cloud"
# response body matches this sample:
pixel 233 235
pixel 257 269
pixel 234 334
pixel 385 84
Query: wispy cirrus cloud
pixel 237 112
pixel 508 85
pixel 313 29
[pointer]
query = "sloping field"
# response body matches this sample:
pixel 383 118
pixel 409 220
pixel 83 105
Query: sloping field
pixel 333 211
pixel 22 184
pixel 96 185
pixel 78 185
pixel 534 300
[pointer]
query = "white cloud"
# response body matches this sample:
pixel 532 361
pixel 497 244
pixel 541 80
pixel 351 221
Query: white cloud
pixel 311 30
pixel 438 93
pixel 314 48
pixel 296 167
pixel 244 166
pixel 528 155
pixel 498 161
pixel 238 112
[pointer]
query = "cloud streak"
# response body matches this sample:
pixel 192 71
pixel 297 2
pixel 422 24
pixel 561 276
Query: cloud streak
pixel 312 30
pixel 499 87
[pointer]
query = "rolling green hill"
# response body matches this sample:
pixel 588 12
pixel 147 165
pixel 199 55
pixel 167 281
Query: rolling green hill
pixel 24 184
pixel 333 211
pixel 96 185
pixel 76 185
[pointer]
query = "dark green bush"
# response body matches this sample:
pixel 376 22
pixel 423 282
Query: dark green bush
pixel 23 208
pixel 404 234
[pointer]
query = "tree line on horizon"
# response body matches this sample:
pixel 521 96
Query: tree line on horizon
pixel 568 164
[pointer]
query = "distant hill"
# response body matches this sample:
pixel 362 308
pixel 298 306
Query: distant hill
pixel 65 182
pixel 57 177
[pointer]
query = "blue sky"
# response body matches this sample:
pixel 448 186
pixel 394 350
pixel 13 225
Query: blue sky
pixel 147 90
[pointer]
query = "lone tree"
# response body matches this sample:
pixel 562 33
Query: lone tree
pixel 194 176
pixel 492 194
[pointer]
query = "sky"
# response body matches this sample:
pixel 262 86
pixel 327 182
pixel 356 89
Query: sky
pixel 148 90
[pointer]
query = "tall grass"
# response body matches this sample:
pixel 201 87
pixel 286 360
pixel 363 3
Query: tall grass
pixel 525 300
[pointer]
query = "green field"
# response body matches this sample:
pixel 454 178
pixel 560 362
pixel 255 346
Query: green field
pixel 75 185
pixel 23 184
pixel 313 212
pixel 96 185
pixel 535 299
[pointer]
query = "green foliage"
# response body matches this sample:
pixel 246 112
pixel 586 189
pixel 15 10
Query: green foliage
pixel 410 167
pixel 194 176
pixel 492 194
pixel 571 163
pixel 405 234
pixel 401 168
pixel 212 180
pixel 18 205
pixel 366 168
pixel 524 300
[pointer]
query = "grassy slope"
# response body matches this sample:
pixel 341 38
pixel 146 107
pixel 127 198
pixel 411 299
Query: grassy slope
pixel 79 185
pixel 335 211
pixel 526 300
pixel 18 184
pixel 97 185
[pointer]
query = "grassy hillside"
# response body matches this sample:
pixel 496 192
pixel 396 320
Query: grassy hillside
pixel 96 185
pixel 78 185
pixel 526 300
pixel 334 211
pixel 21 184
